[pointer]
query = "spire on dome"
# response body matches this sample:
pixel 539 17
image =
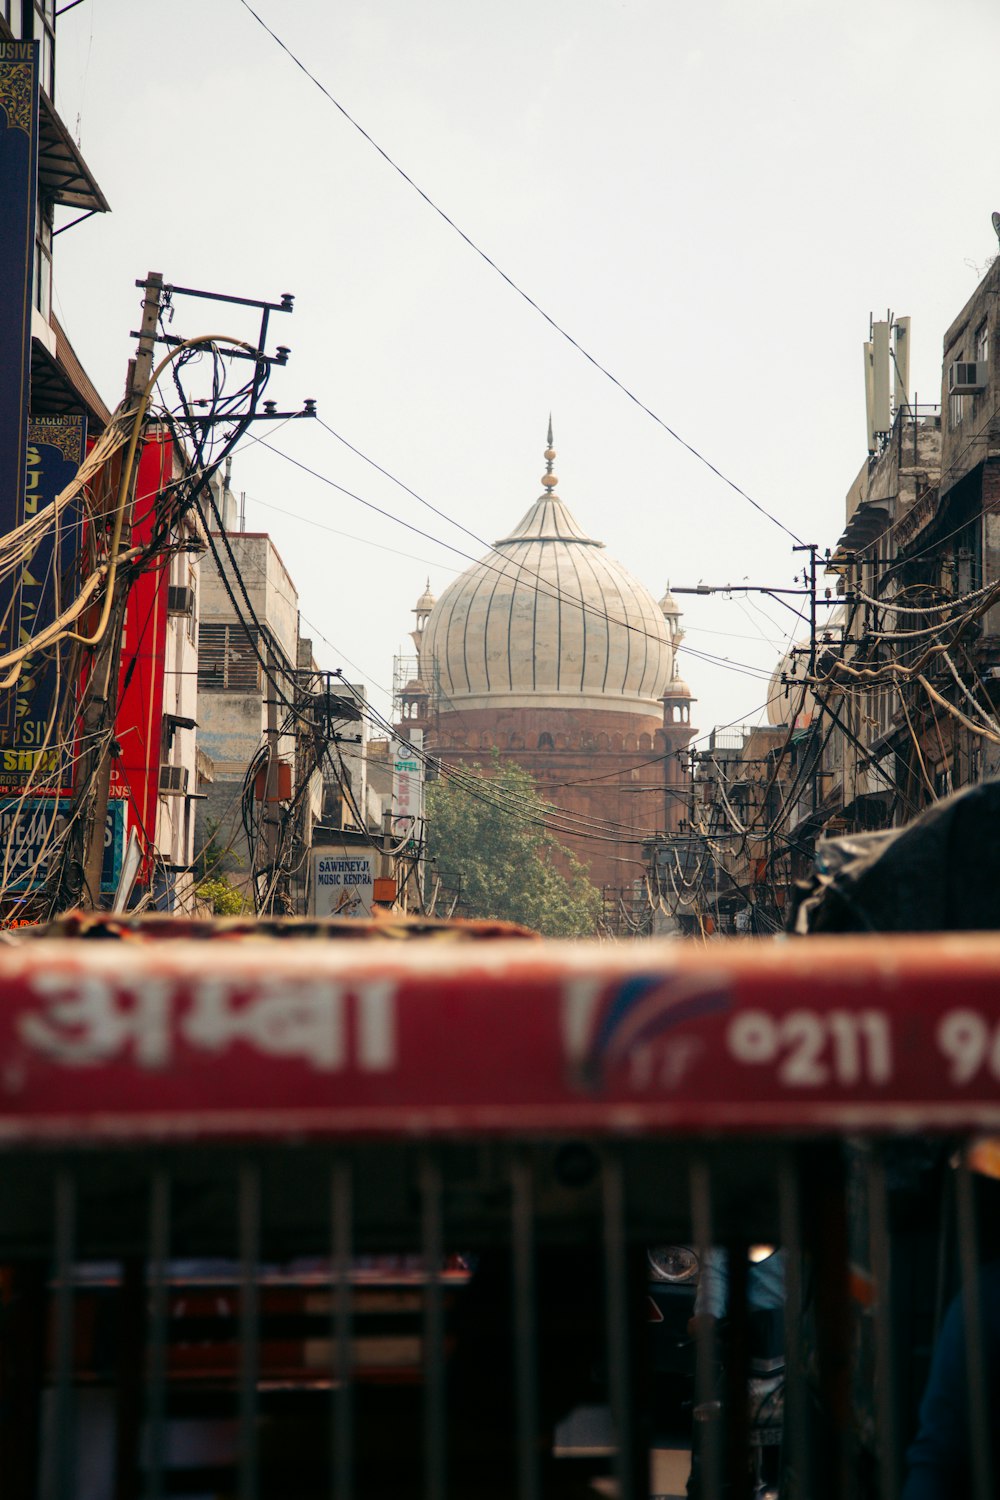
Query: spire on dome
pixel 549 480
pixel 426 602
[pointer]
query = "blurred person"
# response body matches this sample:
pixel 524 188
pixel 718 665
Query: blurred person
pixel 765 1295
pixel 939 1459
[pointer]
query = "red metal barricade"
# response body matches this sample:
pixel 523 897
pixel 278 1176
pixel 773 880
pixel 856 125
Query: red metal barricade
pixel 326 1218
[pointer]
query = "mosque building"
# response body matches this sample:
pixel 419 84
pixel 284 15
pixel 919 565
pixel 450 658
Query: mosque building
pixel 549 651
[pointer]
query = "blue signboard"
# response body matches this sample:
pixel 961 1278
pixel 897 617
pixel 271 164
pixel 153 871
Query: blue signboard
pixel 18 174
pixel 30 752
pixel 29 830
pixel 18 187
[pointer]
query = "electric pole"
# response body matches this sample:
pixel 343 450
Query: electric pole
pixel 272 789
pixel 810 580
pixel 101 694
pixel 79 869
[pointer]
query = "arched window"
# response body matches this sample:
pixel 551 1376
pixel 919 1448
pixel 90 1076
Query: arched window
pixel 545 741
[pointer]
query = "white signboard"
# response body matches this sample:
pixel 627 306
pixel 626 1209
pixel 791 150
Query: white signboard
pixel 407 785
pixel 343 882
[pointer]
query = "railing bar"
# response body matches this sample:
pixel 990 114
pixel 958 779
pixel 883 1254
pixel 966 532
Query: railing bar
pixel 942 1279
pixel 836 1467
pixel 707 1438
pixel 342 1214
pixel 156 1397
pixel 435 1465
pixel 795 1435
pixel 976 1375
pixel 63 1414
pixel 249 1242
pixel 616 1292
pixel 525 1335
pixel 885 1374
pixel 736 1371
pixel 130 1375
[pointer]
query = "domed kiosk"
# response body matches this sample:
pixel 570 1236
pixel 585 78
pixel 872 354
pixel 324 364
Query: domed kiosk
pixel 549 650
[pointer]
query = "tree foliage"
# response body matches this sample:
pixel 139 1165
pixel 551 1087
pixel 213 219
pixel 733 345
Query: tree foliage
pixel 491 844
pixel 226 900
pixel 214 885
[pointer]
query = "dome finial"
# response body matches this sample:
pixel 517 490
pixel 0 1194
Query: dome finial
pixel 549 480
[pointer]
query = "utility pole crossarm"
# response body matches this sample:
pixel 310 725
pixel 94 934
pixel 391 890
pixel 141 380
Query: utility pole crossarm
pixel 735 588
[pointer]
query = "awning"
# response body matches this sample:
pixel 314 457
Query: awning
pixel 61 386
pixel 869 810
pixel 62 172
pixel 867 523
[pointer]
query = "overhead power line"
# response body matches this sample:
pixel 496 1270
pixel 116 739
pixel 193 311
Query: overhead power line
pixel 294 515
pixel 509 567
pixel 515 287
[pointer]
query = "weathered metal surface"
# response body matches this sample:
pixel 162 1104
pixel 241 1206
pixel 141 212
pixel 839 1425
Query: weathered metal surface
pixel 263 1040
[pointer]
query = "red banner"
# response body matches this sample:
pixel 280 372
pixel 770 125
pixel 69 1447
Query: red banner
pixel 135 772
pixel 265 1039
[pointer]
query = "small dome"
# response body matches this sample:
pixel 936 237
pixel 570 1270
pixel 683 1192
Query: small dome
pixel 426 602
pixel 669 605
pixel 790 699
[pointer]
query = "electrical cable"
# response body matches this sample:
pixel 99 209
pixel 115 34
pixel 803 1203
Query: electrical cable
pixel 565 823
pixel 513 568
pixel 514 285
pixel 956 713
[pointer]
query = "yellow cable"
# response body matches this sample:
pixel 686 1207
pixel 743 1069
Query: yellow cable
pixel 127 466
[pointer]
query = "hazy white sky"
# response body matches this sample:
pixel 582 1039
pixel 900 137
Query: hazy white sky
pixel 712 198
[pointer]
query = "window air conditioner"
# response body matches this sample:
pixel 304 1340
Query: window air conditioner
pixel 173 781
pixel 965 378
pixel 180 599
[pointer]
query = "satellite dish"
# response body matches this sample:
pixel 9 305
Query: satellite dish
pixel 996 224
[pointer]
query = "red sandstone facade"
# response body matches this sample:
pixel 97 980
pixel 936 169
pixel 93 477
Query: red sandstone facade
pixel 619 777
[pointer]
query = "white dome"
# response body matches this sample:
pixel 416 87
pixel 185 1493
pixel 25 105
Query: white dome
pixel 548 620
pixel 790 701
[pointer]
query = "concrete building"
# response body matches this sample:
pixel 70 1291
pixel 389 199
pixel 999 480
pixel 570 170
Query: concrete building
pixel 549 653
pixel 893 498
pixel 236 701
pixel 356 792
pixel 59 383
pixel 904 706
pixel 920 561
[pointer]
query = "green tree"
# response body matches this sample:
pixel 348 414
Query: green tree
pixel 214 884
pixel 226 900
pixel 490 840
